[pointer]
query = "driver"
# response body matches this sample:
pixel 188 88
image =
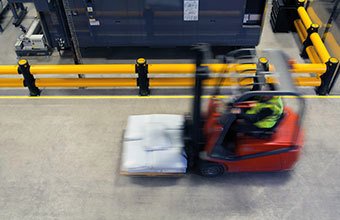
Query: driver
pixel 262 117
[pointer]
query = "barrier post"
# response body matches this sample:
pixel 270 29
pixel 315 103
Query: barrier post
pixel 29 81
pixel 259 79
pixel 327 77
pixel 142 80
pixel 263 64
pixel 300 3
pixel 308 42
pixel 307 23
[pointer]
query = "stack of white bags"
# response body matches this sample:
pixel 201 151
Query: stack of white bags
pixel 154 144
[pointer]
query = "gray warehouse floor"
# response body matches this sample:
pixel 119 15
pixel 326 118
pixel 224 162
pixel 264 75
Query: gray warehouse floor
pixel 59 159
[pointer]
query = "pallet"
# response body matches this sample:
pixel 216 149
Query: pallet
pixel 151 174
pixel 34 52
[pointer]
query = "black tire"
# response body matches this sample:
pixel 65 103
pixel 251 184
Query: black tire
pixel 209 169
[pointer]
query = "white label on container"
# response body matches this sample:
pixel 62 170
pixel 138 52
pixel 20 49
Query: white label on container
pixel 94 22
pixel 191 10
pixel 254 17
pixel 89 9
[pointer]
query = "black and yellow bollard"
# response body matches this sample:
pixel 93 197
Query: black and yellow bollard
pixel 29 81
pixel 259 79
pixel 327 77
pixel 142 80
pixel 300 3
pixel 263 64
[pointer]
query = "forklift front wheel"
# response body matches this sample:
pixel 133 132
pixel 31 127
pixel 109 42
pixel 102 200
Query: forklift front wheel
pixel 209 169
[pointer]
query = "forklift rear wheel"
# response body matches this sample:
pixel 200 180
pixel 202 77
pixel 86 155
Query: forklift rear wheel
pixel 209 169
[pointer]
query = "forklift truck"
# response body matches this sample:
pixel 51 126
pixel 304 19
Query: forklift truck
pixel 176 144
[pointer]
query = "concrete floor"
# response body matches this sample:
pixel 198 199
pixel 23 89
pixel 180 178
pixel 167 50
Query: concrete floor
pixel 59 159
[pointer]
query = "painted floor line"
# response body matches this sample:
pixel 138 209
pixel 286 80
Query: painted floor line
pixel 142 97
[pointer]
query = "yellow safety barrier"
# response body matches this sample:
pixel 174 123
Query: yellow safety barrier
pixel 11 83
pixel 153 69
pixel 191 68
pixel 83 69
pixel 230 81
pixel 302 25
pixel 307 22
pixel 310 50
pixel 312 54
pixel 320 47
pixel 8 69
pixel 300 29
pixel 34 84
pixel 171 68
pixel 126 69
pixel 189 82
pixel 309 68
pixel 131 82
pixel 314 48
pixel 307 81
pixel 86 82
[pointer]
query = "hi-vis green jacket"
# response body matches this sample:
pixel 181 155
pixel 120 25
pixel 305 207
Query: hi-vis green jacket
pixel 265 114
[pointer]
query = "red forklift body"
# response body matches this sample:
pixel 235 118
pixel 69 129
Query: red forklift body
pixel 283 138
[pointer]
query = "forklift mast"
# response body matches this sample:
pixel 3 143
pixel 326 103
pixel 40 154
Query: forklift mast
pixel 202 73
